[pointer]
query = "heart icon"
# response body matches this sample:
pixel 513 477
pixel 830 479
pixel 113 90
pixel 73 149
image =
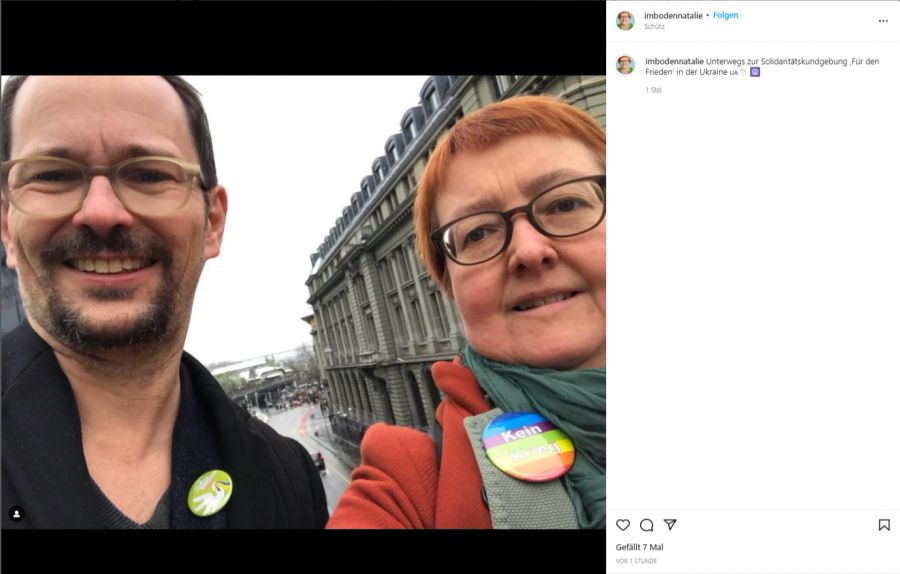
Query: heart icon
pixel 623 524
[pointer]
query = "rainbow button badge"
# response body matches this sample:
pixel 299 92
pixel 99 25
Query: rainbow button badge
pixel 529 447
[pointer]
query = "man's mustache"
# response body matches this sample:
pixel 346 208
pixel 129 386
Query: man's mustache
pixel 85 243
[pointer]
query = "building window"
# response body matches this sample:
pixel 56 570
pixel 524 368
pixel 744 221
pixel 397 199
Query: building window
pixel 362 294
pixel 433 100
pixel 393 153
pixel 437 309
pixel 352 331
pixel 378 175
pixel 399 323
pixel 387 280
pixel 345 338
pixel 348 320
pixel 365 311
pixel 416 312
pixel 409 252
pixel 370 327
pixel 334 328
pixel 347 332
pixel 502 83
pixel 402 264
pixel 409 130
pixel 392 201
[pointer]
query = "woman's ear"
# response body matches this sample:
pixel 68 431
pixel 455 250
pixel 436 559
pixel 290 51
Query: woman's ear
pixel 448 286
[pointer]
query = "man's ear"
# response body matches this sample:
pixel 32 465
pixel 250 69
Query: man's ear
pixel 215 224
pixel 7 244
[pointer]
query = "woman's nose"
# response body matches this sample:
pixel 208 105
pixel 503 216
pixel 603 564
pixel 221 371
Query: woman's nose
pixel 529 249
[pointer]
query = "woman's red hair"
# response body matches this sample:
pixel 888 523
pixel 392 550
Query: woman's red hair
pixel 487 127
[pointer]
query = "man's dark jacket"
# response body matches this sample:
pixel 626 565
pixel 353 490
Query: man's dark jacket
pixel 276 484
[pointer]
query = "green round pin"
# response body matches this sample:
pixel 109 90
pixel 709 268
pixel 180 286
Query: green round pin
pixel 210 493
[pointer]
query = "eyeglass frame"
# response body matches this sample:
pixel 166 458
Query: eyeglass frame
pixel 528 210
pixel 111 173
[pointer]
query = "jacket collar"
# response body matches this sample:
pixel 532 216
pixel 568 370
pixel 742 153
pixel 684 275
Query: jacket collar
pixel 42 436
pixel 245 459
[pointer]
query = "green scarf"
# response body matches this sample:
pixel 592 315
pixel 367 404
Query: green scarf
pixel 575 401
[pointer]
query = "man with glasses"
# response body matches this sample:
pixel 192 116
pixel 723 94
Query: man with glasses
pixel 111 207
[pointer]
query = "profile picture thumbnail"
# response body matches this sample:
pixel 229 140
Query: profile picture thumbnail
pixel 625 65
pixel 625 20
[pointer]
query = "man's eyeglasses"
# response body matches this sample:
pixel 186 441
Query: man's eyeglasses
pixel 566 209
pixel 48 186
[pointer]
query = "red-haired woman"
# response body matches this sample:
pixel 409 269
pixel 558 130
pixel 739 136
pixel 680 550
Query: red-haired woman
pixel 510 221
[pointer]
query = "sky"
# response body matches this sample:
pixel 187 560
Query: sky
pixel 290 151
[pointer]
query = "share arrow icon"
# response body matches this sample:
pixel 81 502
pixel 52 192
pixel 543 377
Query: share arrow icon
pixel 670 522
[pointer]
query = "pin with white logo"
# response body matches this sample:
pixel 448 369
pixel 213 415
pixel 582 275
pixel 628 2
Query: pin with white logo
pixel 210 493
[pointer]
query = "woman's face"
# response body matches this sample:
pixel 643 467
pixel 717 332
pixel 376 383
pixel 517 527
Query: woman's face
pixel 560 334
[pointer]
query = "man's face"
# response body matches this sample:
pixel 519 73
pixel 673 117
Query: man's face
pixel 624 62
pixel 104 277
pixel 624 19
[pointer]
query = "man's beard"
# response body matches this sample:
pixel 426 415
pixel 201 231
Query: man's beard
pixel 150 329
pixel 71 325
